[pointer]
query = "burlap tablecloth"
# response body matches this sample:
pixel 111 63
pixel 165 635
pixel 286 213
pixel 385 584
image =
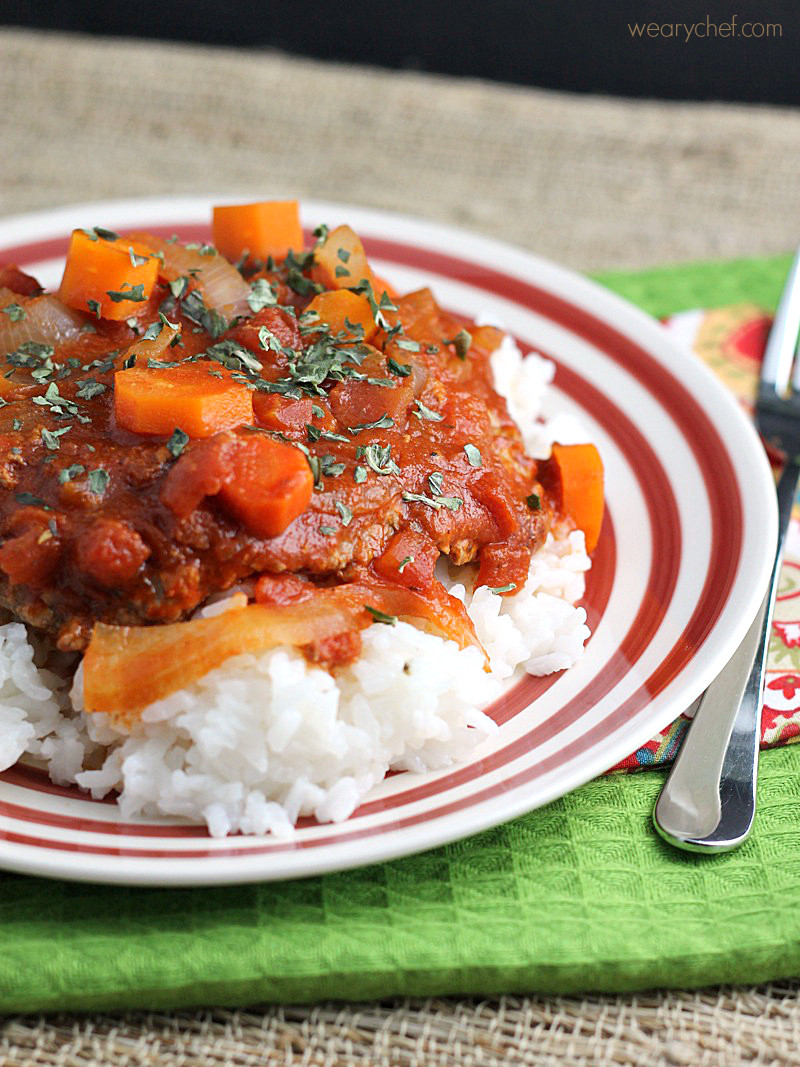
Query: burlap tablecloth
pixel 591 182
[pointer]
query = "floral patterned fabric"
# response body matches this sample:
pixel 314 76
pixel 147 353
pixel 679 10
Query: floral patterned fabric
pixel 731 342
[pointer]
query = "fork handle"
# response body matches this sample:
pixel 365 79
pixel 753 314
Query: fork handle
pixel 708 801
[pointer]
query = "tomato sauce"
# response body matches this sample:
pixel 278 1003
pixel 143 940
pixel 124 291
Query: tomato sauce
pixel 411 450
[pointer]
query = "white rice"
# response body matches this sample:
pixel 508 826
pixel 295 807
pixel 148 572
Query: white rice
pixel 264 739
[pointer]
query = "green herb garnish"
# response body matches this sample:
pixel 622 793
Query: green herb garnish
pixel 68 473
pixel 262 295
pixel 345 514
pixel 134 293
pixel 402 370
pixel 426 413
pixel 177 442
pixel 50 438
pixel 383 423
pixel 98 480
pixel 16 312
pixel 462 342
pixel 29 499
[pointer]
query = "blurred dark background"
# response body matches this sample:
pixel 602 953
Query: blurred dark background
pixel 559 44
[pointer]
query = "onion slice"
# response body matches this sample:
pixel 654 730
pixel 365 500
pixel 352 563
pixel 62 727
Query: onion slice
pixel 128 667
pixel 224 289
pixel 46 321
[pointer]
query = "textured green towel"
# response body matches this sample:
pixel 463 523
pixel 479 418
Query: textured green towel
pixel 579 896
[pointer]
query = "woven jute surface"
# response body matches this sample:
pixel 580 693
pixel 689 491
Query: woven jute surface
pixel 590 182
pixel 759 1026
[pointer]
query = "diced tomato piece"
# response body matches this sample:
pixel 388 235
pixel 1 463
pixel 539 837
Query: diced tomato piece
pixel 489 491
pixel 357 403
pixel 264 484
pixel 17 281
pixel 111 552
pixel 282 413
pixel 30 556
pixel 279 323
pixel 409 559
pixel 282 589
pixel 504 564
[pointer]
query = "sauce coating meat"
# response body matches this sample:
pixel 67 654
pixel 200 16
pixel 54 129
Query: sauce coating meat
pixel 388 444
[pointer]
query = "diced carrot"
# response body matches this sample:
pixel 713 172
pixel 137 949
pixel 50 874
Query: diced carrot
pixel 271 484
pixel 282 412
pixel 268 228
pixel 158 400
pixel 574 475
pixel 98 273
pixel 343 310
pixel 340 262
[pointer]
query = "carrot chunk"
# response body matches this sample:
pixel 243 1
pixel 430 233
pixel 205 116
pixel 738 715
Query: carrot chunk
pixel 99 273
pixel 270 485
pixel 268 228
pixel 157 400
pixel 344 312
pixel 574 475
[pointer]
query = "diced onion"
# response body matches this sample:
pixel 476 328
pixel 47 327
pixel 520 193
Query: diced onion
pixel 47 321
pixel 223 287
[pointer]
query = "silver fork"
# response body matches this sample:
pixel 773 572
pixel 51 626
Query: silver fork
pixel 708 802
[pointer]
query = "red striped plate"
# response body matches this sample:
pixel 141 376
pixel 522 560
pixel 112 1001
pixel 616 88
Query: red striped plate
pixel 677 577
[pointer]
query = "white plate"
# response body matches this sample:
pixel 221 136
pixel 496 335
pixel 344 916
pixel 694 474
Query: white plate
pixel 677 577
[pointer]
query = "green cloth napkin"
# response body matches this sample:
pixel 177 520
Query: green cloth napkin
pixel 579 896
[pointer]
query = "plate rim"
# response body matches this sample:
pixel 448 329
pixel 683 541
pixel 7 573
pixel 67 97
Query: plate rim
pixel 584 293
